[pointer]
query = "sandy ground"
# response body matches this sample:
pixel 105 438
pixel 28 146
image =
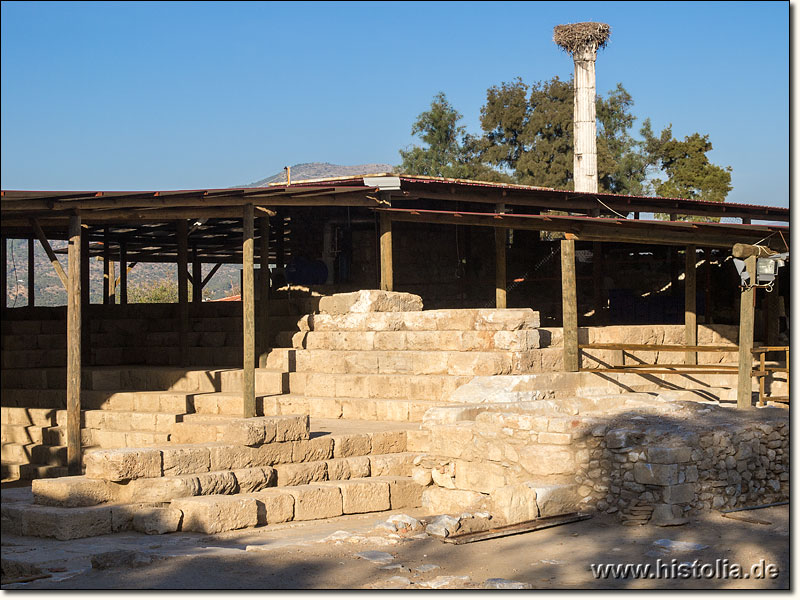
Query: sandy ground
pixel 307 556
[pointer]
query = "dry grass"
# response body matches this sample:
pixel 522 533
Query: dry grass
pixel 573 36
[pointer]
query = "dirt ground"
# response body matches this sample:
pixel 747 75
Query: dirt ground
pixel 318 555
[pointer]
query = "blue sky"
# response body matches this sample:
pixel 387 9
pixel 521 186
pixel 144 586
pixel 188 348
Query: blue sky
pixel 196 95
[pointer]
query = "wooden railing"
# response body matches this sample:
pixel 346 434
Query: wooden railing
pixel 689 369
pixel 671 368
pixel 763 371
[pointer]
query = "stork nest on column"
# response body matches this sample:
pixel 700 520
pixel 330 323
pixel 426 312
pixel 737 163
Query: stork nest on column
pixel 574 36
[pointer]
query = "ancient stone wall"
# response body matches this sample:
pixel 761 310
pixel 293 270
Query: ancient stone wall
pixel 608 454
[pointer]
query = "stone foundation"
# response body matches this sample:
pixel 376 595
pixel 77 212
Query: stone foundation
pixel 606 453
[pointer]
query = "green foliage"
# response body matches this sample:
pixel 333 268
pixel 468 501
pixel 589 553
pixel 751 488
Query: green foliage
pixel 689 174
pixel 528 138
pixel 448 151
pixel 159 291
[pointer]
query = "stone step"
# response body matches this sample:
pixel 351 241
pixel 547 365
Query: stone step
pixel 414 362
pixel 213 513
pixel 465 319
pixel 396 387
pixel 371 409
pixel 27 471
pixel 454 341
pixel 140 378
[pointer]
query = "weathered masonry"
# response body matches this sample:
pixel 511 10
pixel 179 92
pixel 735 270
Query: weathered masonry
pixel 545 296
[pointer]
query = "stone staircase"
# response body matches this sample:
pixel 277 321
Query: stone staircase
pixel 236 473
pixel 397 365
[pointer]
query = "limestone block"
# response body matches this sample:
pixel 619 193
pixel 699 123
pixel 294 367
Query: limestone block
pixel 274 506
pixel 353 444
pixel 72 491
pixel 364 301
pixel 184 459
pixel 679 494
pixel 404 492
pixel 433 340
pixel 396 362
pixel 320 448
pixel 157 520
pixel 517 341
pixel 127 463
pixel 386 442
pixel 515 503
pixel 348 386
pixel 249 432
pixel 389 340
pixel 229 457
pixel 315 502
pixel 325 408
pixel 391 464
pixel 480 476
pixel 254 479
pixel 439 500
pixel 417 440
pixel 655 474
pixel 508 319
pixel 66 523
pixel 451 440
pixel 667 455
pixel 289 428
pixel 444 475
pixel 547 437
pixel 301 473
pixel 217 482
pixel 455 319
pixel 539 459
pixel 196 432
pixel 479 341
pixel 362 495
pixel 347 468
pixel 160 489
pixel 213 514
pixel 665 515
pixel 358 408
pixel 555 500
pixel 122 514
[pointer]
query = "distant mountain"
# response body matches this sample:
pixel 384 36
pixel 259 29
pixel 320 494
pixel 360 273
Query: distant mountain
pixel 317 170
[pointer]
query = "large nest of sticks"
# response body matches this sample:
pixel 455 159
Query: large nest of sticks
pixel 574 36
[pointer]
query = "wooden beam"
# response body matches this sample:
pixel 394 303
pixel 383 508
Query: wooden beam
pixel 690 303
pixel 709 301
pixel 744 389
pixel 4 271
pixel 106 266
pixel 123 273
pixel 182 230
pixel 74 348
pixel 263 292
pixel 49 251
pixel 500 236
pixel 248 315
pixel 569 306
pixel 386 266
pixel 211 273
pixel 31 274
pixel 742 251
pixel 197 278
pixel 86 328
pixel 598 279
pixel 112 282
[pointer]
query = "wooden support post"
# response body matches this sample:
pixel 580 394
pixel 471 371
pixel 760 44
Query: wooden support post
pixel 387 270
pixel 123 273
pixel 112 282
pixel 744 388
pixel 31 274
pixel 74 347
pixel 263 292
pixel 569 305
pixel 690 303
pixel 197 279
pixel 50 254
pixel 598 279
pixel 707 292
pixel 248 315
pixel 500 236
pixel 106 267
pixel 182 227
pixel 4 270
pixel 86 328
